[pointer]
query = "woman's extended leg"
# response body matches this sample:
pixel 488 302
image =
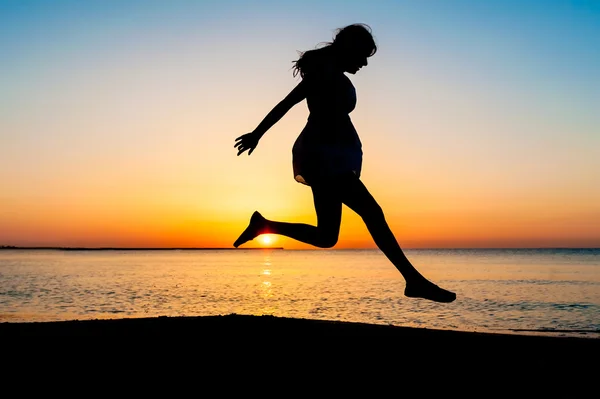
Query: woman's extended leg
pixel 324 235
pixel 356 196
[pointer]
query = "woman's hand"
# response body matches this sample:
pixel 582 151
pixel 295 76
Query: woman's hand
pixel 245 142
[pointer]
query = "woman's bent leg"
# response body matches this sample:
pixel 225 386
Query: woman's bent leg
pixel 324 235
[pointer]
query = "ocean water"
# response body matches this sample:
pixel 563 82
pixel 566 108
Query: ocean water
pixel 546 291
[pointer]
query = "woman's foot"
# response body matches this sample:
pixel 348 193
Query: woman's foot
pixel 427 290
pixel 254 229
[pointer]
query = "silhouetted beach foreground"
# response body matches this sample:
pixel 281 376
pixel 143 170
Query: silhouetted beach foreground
pixel 289 342
pixel 272 326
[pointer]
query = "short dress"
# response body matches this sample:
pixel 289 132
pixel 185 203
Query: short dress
pixel 328 146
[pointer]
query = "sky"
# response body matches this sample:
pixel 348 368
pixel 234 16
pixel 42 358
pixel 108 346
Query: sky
pixel 480 121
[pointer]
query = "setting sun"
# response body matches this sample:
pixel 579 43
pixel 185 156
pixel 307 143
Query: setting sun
pixel 267 239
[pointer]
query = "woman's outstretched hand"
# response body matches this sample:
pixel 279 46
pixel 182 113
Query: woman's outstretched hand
pixel 245 142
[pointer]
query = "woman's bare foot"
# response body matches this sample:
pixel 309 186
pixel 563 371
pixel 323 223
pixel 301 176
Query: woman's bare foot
pixel 255 228
pixel 427 290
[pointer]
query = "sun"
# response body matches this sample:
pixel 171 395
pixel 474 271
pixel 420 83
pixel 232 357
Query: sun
pixel 267 239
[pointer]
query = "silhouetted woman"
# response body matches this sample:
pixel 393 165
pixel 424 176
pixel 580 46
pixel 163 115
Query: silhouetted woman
pixel 327 156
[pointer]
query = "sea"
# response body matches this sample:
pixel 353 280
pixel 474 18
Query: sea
pixel 519 291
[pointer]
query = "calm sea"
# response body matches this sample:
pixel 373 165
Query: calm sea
pixel 547 291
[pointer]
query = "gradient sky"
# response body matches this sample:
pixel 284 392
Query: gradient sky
pixel 480 120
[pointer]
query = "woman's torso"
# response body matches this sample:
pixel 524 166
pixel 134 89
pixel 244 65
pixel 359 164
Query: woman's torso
pixel 329 145
pixel 331 98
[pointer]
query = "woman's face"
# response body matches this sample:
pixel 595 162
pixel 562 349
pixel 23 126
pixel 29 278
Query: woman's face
pixel 355 60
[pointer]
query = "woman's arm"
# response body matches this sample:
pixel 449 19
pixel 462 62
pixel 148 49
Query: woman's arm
pixel 294 97
pixel 249 141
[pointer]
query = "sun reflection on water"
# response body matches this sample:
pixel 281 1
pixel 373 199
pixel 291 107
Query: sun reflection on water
pixel 266 286
pixel 266 291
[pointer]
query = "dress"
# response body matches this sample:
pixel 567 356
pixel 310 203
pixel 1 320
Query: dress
pixel 329 145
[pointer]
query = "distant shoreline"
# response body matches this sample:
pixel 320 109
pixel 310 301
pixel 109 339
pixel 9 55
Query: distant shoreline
pixel 130 249
pixel 9 247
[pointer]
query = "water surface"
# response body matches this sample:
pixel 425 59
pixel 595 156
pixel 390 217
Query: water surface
pixel 497 290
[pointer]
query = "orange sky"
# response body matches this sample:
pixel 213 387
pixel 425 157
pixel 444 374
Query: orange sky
pixel 117 125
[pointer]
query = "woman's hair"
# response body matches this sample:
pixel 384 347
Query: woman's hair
pixel 352 38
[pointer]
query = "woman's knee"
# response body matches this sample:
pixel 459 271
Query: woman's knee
pixel 327 239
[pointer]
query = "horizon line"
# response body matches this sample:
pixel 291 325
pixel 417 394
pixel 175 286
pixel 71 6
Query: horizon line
pixel 129 248
pixel 12 247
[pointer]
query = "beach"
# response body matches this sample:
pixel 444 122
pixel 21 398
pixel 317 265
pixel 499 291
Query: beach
pixel 198 326
pixel 323 350
pixel 446 342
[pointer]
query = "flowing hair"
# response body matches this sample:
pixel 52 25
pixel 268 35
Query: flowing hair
pixel 355 37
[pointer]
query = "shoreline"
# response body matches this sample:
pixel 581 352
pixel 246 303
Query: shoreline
pixel 263 323
pixel 288 342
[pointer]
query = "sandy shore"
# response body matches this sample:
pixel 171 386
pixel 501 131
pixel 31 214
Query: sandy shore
pixel 259 325
pixel 283 343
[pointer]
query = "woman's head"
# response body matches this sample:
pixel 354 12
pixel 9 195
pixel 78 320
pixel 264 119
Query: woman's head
pixel 353 44
pixel 350 48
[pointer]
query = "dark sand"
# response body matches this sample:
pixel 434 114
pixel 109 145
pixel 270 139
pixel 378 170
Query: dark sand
pixel 283 326
pixel 325 352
